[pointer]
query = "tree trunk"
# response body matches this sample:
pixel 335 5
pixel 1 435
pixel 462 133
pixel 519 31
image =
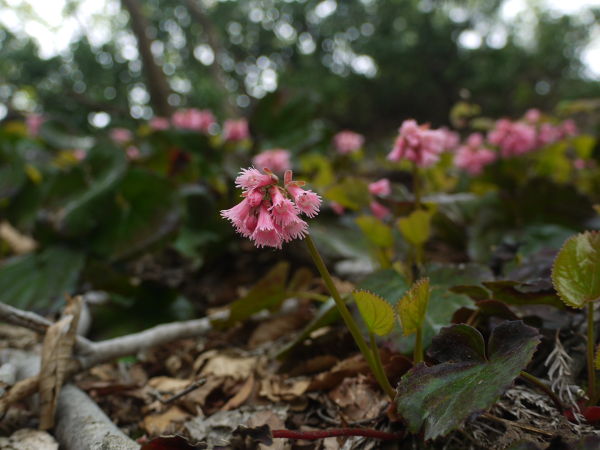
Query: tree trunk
pixel 156 80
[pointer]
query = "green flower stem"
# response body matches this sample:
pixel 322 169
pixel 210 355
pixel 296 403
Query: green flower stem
pixel 416 186
pixel 348 319
pixel 377 359
pixel 418 352
pixel 544 388
pixel 591 344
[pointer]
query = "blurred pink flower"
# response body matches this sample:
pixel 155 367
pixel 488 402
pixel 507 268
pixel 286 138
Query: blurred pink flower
pixel 337 208
pixel 79 154
pixel 418 144
pixel 380 187
pixel 269 214
pixel 473 157
pixel 121 135
pixel 193 119
pixel 579 164
pixel 378 210
pixel 133 152
pixel 547 134
pixel 533 115
pixel 235 130
pixel 277 160
pixel 451 138
pixel 347 141
pixel 34 123
pixel 513 138
pixel 159 123
pixel 568 128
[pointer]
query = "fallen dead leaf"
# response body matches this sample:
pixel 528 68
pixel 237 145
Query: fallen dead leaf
pixel 279 389
pixel 358 399
pixel 168 385
pixel 28 439
pixel 274 421
pixel 317 364
pixel 224 365
pixel 17 241
pixel 241 396
pixel 272 329
pixel 56 357
pixel 348 367
pixel 165 423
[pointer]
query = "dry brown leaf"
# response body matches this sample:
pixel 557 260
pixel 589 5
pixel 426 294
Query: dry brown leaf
pixel 274 421
pixel 165 423
pixel 348 367
pixel 18 242
pixel 224 365
pixel 241 396
pixel 168 385
pixel 28 439
pixel 56 358
pixel 279 389
pixel 314 365
pixel 358 399
pixel 272 329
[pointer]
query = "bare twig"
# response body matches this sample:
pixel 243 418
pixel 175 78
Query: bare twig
pixel 192 387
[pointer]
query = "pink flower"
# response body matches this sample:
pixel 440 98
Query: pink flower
pixel 270 214
pixel 79 154
pixel 547 134
pixel 277 160
pixel 579 164
pixel 133 152
pixel 121 135
pixel 193 119
pixel 159 123
pixel 34 123
pixel 451 138
pixel 568 128
pixel 418 144
pixel 533 115
pixel 378 210
pixel 337 208
pixel 348 141
pixel 473 157
pixel 380 187
pixel 235 130
pixel 513 138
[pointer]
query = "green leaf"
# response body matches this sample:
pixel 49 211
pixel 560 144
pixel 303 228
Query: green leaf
pixel 375 311
pixel 584 145
pixel 517 293
pixel 144 210
pixel 443 303
pixel 576 270
pixel 352 193
pixel 416 228
pixel 107 166
pixel 268 292
pixel 441 397
pixel 377 232
pixel 412 308
pixel 37 280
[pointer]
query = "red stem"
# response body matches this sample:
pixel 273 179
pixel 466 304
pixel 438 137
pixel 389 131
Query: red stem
pixel 322 434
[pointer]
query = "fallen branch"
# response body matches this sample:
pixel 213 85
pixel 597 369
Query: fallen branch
pixel 89 354
pixel 80 423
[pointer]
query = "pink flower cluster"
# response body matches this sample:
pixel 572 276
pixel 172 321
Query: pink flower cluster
pixel 513 138
pixel 159 123
pixel 348 141
pixel 269 215
pixel 418 144
pixel 121 135
pixel 276 160
pixel 473 156
pixel 235 130
pixel 193 119
pixel 34 122
pixel 380 188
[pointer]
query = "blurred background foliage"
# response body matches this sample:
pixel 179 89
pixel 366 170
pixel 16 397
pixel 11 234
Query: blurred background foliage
pixel 138 219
